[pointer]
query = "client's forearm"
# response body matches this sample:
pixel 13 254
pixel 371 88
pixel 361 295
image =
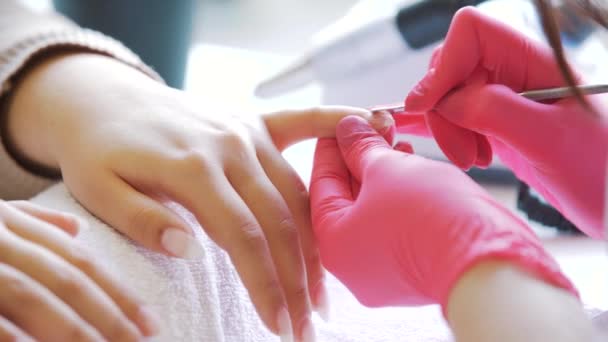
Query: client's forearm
pixel 497 301
pixel 60 94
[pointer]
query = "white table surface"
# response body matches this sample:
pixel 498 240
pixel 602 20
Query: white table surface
pixel 224 75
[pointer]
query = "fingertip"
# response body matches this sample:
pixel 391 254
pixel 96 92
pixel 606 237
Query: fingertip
pixel 435 56
pixel 412 123
pixel 381 121
pixel 405 147
pixel 307 331
pixel 148 321
pixel 283 324
pixel 66 222
pixel 464 164
pixel 178 243
pixel 384 123
pixel 355 188
pixel 389 134
pixel 321 301
pixel 348 122
pixel 484 152
pixel 352 128
pixel 74 225
pixel 421 98
pixel 458 144
pixel 69 223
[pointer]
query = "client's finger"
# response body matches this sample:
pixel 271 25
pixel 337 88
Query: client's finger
pixel 71 251
pixel 38 312
pixel 141 217
pixel 230 223
pixel 294 192
pixel 69 223
pixel 10 332
pixel 289 127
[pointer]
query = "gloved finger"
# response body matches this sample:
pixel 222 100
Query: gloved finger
pixel 358 142
pixel 412 123
pixel 484 151
pixel 477 40
pixel 453 139
pixel 67 222
pixel 458 144
pixel 435 56
pixel 330 184
pixel 405 147
pixel 499 112
pixel 355 188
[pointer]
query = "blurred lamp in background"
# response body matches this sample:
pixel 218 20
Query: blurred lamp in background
pixel 159 31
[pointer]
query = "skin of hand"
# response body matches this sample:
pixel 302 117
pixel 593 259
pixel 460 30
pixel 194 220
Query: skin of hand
pixel 471 104
pixel 400 229
pixel 126 145
pixel 51 289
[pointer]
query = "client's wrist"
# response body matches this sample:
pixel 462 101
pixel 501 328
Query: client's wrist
pixel 55 98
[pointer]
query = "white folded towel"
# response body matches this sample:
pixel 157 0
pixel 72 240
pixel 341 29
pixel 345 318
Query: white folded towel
pixel 204 300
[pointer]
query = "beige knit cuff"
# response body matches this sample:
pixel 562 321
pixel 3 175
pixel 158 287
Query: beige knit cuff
pixel 15 58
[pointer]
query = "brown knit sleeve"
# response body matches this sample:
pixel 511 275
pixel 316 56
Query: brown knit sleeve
pixel 25 36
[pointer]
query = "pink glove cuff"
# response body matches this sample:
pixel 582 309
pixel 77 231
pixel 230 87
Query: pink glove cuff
pixel 533 260
pixel 504 244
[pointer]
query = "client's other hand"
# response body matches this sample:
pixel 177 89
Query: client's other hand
pixel 51 289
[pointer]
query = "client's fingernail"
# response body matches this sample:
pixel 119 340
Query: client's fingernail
pixel 321 302
pixel 181 244
pixel 284 325
pixel 308 332
pixel 382 121
pixel 148 321
pixel 77 224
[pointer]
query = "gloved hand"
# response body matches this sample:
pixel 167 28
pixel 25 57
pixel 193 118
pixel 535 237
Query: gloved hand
pixel 470 97
pixel 412 226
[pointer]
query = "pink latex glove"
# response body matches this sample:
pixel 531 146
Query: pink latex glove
pixel 415 226
pixel 470 98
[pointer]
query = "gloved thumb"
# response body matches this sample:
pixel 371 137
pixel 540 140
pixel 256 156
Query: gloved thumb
pixel 359 144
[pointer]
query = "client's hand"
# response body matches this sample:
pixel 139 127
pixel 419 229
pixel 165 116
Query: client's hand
pixel 399 229
pixel 52 290
pixel 124 144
